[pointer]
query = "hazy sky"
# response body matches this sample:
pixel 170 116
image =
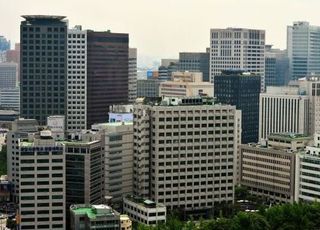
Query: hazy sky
pixel 162 28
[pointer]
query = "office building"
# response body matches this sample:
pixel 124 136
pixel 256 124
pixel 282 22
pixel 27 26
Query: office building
pixel 242 90
pixel 20 129
pixel 10 98
pixel 269 171
pixel 276 67
pixel 118 147
pixel 94 217
pixel 77 80
pixel 132 75
pixel 43 67
pixel 283 109
pixel 185 152
pixel 307 172
pixel 195 62
pixel 56 124
pixel 237 48
pixel 8 75
pixel 13 55
pixel 148 88
pixel 167 67
pixel 144 211
pixel 41 182
pixel 107 73
pixel 186 84
pixel 84 169
pixel 303 45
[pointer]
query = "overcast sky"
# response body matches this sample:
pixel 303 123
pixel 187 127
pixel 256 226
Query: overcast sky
pixel 163 28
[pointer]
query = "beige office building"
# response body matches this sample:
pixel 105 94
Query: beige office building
pixel 185 152
pixel 186 84
pixel 269 171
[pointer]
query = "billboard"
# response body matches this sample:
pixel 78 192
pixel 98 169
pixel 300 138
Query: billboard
pixel 120 117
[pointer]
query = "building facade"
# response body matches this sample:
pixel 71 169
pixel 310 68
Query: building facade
pixel 107 73
pixel 283 109
pixel 269 171
pixel 242 90
pixel 10 99
pixel 185 153
pixel 195 62
pixel 132 75
pixel 41 183
pixel 8 75
pixel 185 84
pixel 77 80
pixel 148 88
pixel 43 67
pixel 237 48
pixel 303 45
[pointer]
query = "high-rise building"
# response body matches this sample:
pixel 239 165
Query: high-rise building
pixel 167 67
pixel 84 169
pixel 237 48
pixel 43 69
pixel 303 45
pixel 107 73
pixel 77 80
pixel 8 75
pixel 118 149
pixel 283 109
pixel 307 172
pixel 14 56
pixel 185 152
pixel 185 84
pixel 41 182
pixel 4 44
pixel 269 170
pixel 148 88
pixel 195 62
pixel 276 67
pixel 242 90
pixel 132 87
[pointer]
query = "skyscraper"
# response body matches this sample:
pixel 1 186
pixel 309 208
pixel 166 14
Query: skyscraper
pixel 43 66
pixel 8 75
pixel 107 73
pixel 242 90
pixel 237 48
pixel 303 47
pixel 4 44
pixel 195 62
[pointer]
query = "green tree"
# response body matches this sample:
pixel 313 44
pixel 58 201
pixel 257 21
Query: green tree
pixel 249 221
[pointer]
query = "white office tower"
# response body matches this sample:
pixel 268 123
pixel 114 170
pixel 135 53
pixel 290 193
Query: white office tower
pixel 132 86
pixel 303 46
pixel 41 182
pixel 185 152
pixel 237 48
pixel 20 129
pixel 118 147
pixel 77 80
pixel 307 184
pixel 283 110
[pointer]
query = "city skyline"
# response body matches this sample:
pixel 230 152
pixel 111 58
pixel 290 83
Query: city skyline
pixel 163 35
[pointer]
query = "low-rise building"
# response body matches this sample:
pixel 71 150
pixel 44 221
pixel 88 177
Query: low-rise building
pixel 269 170
pixel 144 211
pixel 186 84
pixel 85 217
pixel 125 222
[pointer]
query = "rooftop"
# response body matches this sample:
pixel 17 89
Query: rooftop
pixel 143 202
pixel 292 136
pixel 93 211
pixel 47 17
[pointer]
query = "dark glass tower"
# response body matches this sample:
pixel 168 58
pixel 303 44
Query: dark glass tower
pixel 43 66
pixel 107 73
pixel 242 90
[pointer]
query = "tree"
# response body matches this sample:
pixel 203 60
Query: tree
pixel 3 160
